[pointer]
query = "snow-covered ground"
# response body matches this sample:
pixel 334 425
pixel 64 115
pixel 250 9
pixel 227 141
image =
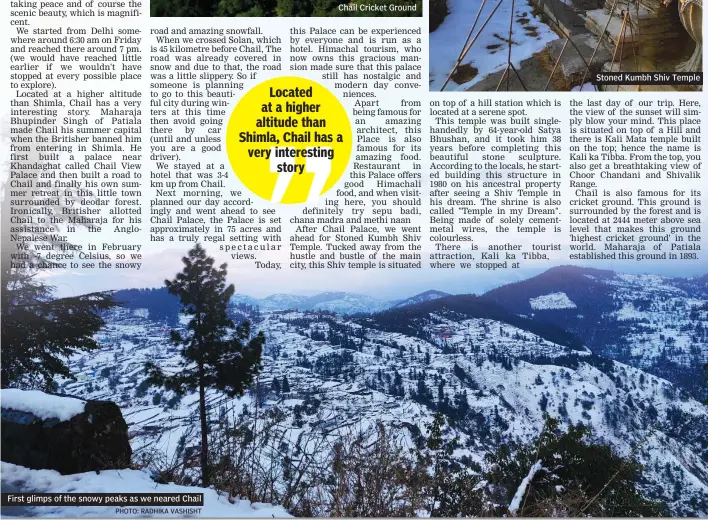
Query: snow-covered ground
pixel 16 479
pixel 558 300
pixel 511 377
pixel 662 320
pixel 346 374
pixel 489 53
pixel 587 87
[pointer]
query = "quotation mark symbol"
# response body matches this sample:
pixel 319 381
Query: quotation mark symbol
pixel 319 166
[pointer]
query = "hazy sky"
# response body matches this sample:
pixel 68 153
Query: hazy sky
pixel 382 284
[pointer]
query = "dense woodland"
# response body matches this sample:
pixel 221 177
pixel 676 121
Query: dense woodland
pixel 265 8
pixel 406 320
pixel 160 304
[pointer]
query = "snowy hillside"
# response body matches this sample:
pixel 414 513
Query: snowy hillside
pixel 655 323
pixel 339 302
pixel 557 300
pixel 419 298
pixel 493 378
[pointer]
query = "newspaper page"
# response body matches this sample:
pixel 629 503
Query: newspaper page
pixel 355 258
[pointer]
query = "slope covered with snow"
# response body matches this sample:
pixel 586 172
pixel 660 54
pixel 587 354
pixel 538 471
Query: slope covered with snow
pixel 419 298
pixel 495 380
pixel 557 300
pixel 339 302
pixel 656 323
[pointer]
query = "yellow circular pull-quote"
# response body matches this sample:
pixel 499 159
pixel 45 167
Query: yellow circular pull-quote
pixel 289 140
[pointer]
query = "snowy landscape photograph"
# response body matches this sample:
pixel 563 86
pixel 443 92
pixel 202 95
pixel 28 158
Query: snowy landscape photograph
pixel 577 392
pixel 560 45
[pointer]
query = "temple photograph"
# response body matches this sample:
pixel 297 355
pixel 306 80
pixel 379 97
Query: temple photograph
pixel 563 45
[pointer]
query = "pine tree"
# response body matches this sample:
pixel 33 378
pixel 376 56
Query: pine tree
pixel 286 385
pixel 543 402
pixel 215 352
pixel 575 477
pixel 39 332
pixel 450 489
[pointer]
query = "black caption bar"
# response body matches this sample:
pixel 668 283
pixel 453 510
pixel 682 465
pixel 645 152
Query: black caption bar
pixel 102 499
pixel 648 78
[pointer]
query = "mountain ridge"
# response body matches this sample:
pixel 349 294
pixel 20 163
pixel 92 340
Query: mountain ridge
pixel 493 380
pixel 657 323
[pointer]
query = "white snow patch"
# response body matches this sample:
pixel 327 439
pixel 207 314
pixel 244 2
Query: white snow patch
pixel 17 479
pixel 587 87
pixel 557 300
pixel 141 313
pixel 44 406
pixel 521 491
pixel 628 312
pixel 489 53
